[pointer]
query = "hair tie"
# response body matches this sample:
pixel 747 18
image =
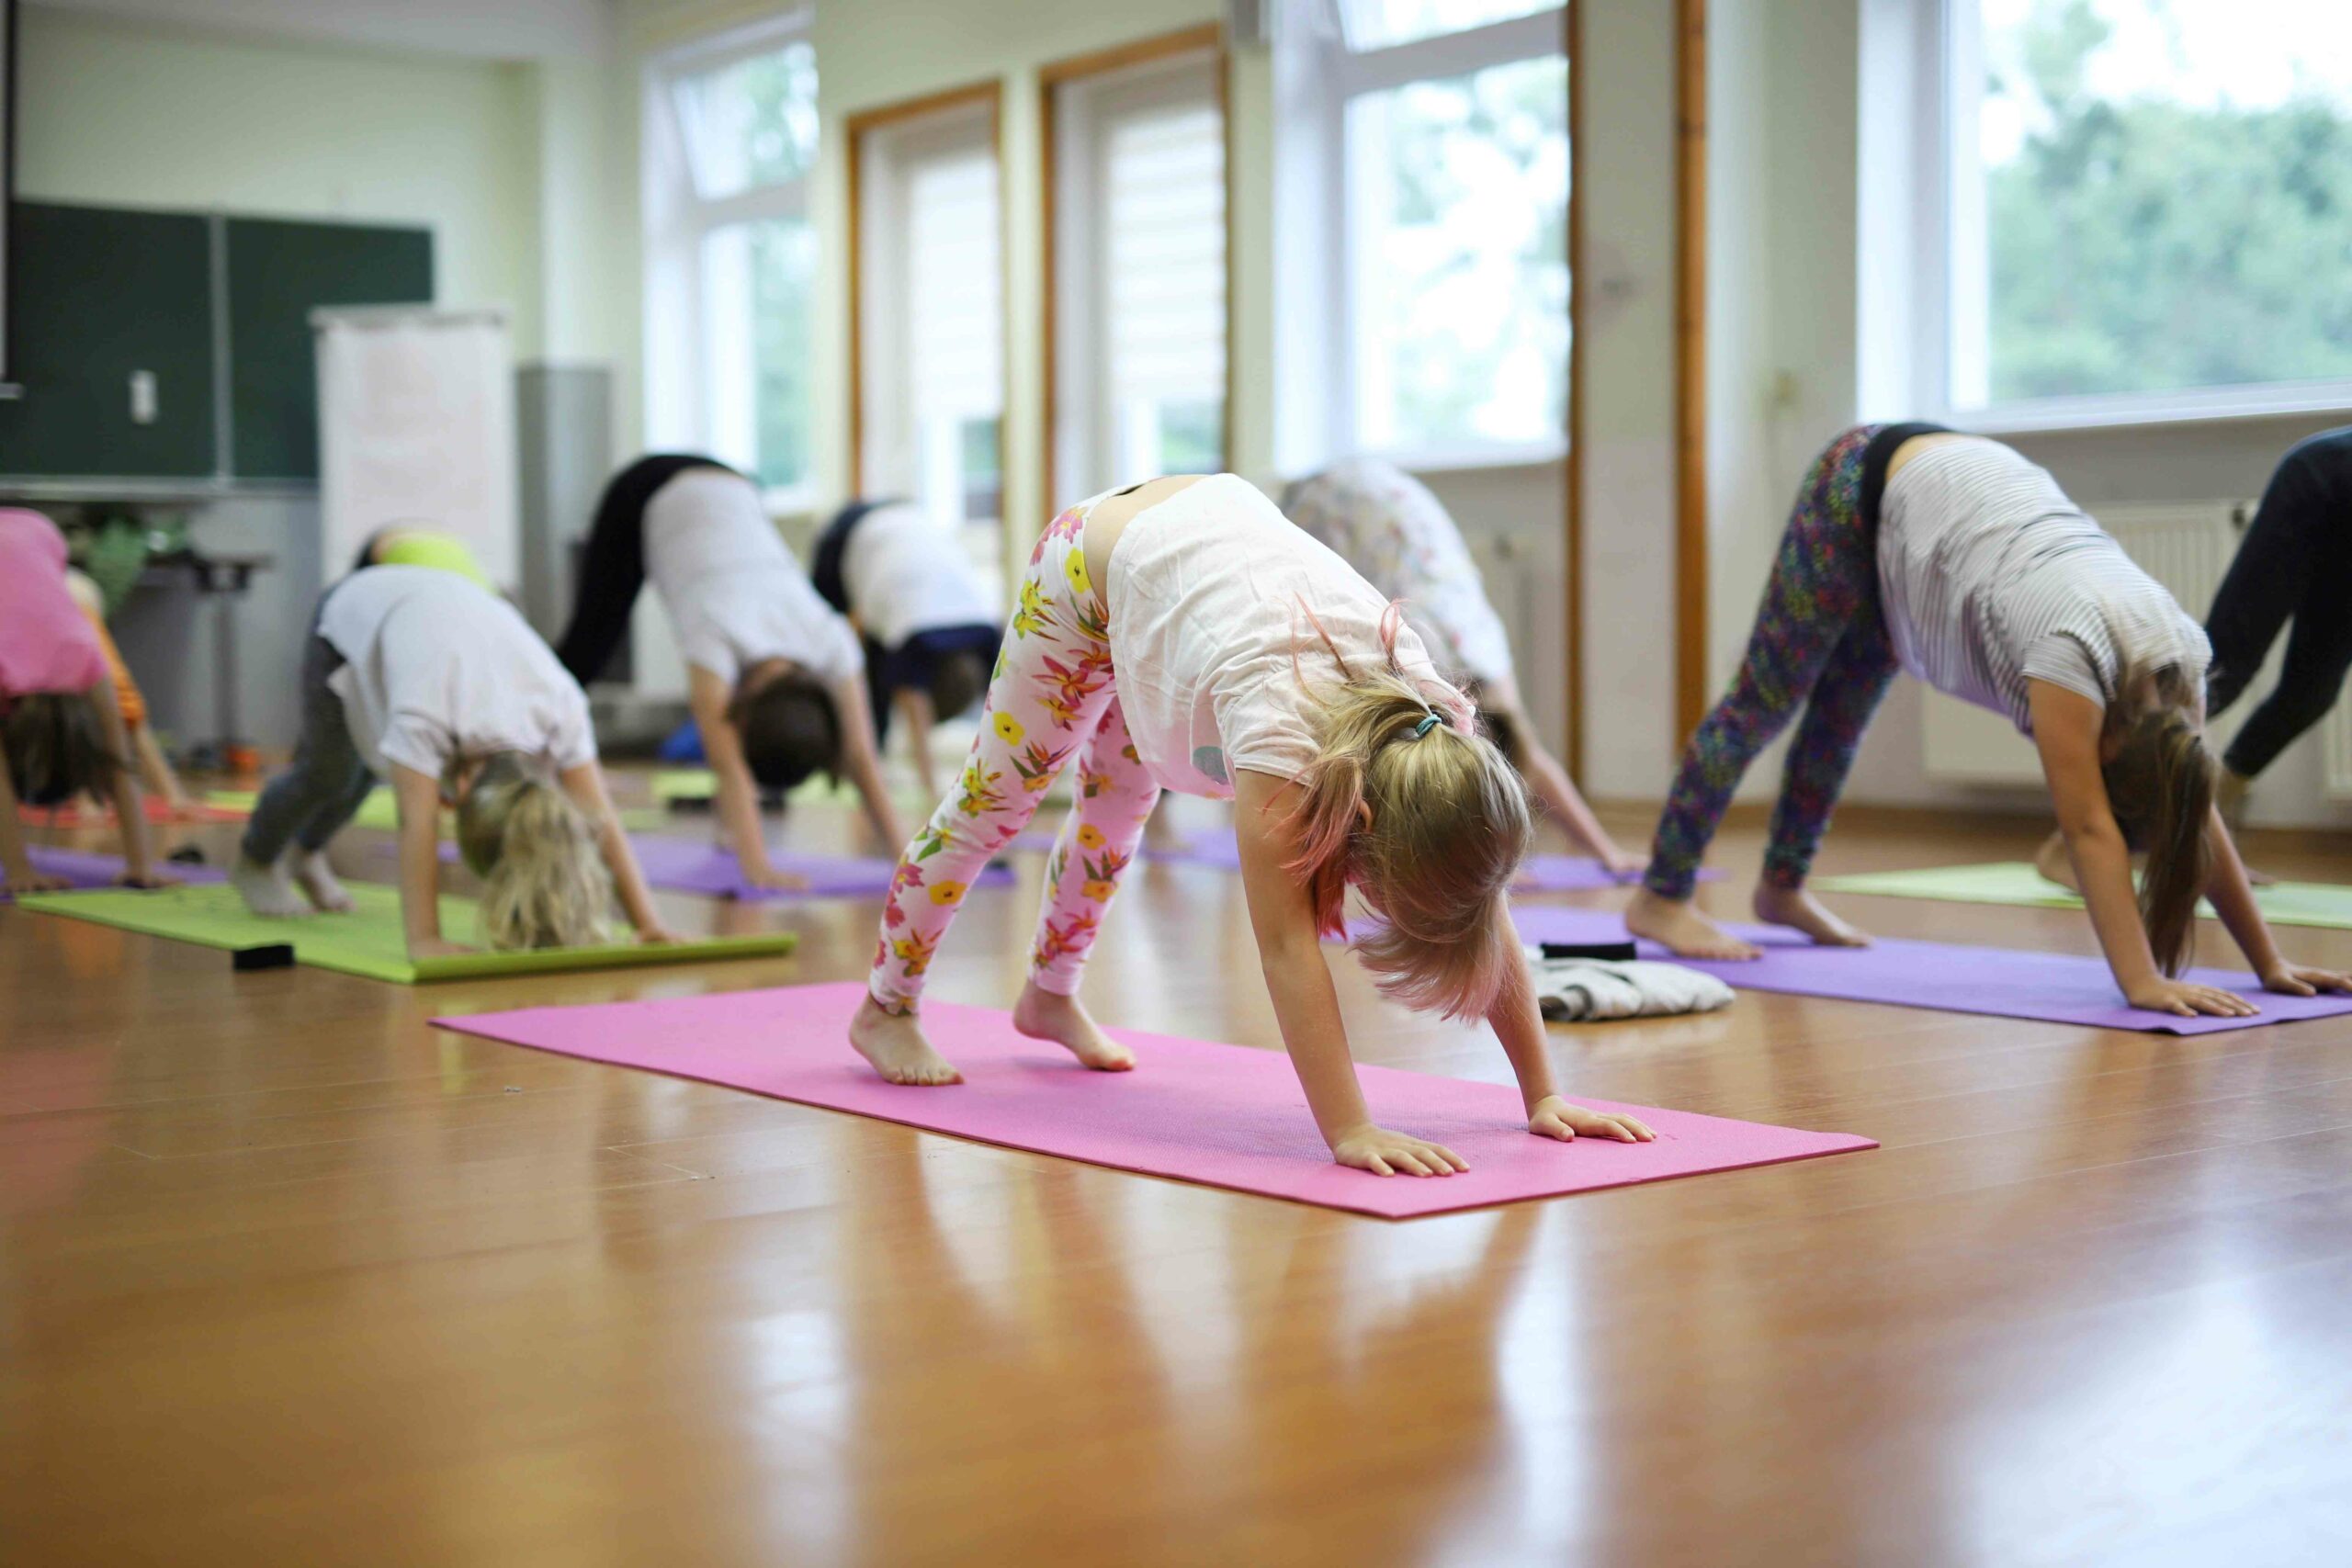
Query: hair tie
pixel 1428 723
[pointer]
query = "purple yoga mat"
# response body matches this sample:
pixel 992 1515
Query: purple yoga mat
pixel 698 865
pixel 1224 1115
pixel 1542 874
pixel 85 868
pixel 2002 982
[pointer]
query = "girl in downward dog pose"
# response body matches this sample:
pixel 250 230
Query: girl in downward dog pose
pixel 1913 547
pixel 414 673
pixel 62 730
pixel 1180 634
pixel 775 676
pixel 1387 525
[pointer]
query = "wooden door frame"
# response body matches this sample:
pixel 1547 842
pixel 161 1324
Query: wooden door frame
pixel 1689 367
pixel 1205 37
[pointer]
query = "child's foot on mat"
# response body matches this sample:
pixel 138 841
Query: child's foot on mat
pixel 1796 908
pixel 1682 930
pixel 319 885
pixel 266 889
pixel 895 1047
pixel 1042 1015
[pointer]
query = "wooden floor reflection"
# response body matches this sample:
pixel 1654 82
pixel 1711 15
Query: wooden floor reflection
pixel 286 1275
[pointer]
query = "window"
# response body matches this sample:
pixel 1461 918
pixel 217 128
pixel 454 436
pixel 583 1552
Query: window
pixel 929 314
pixel 731 140
pixel 1444 154
pixel 2148 204
pixel 1138 273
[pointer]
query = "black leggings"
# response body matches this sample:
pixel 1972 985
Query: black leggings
pixel 2296 561
pixel 613 568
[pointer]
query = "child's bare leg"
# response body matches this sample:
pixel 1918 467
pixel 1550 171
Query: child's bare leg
pixel 1042 1014
pixel 1673 924
pixel 1797 907
pixel 897 1047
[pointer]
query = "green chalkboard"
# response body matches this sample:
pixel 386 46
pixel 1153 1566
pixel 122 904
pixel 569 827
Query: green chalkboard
pixel 277 272
pixel 99 294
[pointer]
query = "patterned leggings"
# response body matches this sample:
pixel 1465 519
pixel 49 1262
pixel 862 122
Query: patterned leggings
pixel 1819 638
pixel 1054 696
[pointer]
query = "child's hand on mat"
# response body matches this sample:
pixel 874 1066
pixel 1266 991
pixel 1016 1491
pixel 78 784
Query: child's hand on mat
pixel 1555 1118
pixel 434 947
pixel 2186 999
pixel 36 881
pixel 1625 866
pixel 771 880
pixel 658 936
pixel 2294 980
pixel 155 881
pixel 1384 1152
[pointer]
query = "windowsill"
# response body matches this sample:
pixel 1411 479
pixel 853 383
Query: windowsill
pixel 2061 416
pixel 1467 460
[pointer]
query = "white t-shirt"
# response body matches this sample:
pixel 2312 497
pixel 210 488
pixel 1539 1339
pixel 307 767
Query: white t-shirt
pixel 1216 658
pixel 1387 524
pixel 734 594
pixel 438 668
pixel 1990 578
pixel 905 574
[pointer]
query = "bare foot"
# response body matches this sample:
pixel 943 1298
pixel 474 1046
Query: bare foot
pixel 896 1046
pixel 1682 930
pixel 1042 1015
pixel 266 889
pixel 2055 863
pixel 319 885
pixel 1798 908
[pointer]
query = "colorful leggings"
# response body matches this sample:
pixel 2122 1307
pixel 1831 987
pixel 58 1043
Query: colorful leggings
pixel 1819 638
pixel 1054 696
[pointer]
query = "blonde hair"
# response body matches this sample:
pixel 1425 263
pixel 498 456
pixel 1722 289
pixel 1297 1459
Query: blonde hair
pixel 544 883
pixel 1407 800
pixel 2160 791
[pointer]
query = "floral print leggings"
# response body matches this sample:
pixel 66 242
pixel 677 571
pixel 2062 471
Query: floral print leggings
pixel 1820 639
pixel 1053 698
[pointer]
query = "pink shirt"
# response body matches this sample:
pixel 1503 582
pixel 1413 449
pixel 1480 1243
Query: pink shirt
pixel 46 643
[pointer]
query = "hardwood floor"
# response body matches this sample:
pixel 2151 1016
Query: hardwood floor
pixel 289 1276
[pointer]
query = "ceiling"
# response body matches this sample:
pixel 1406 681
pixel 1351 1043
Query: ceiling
pixel 487 30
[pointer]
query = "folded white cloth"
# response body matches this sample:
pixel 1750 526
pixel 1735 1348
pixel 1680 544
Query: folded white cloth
pixel 1576 989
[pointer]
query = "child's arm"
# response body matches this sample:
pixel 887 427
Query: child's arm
pixel 739 797
pixel 417 798
pixel 130 808
pixel 1555 791
pixel 585 785
pixel 1517 1022
pixel 914 706
pixel 2066 732
pixel 862 757
pixel 22 877
pixel 1305 1005
pixel 2231 894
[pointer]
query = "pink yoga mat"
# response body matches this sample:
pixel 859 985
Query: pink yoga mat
pixel 2002 982
pixel 85 868
pixel 698 865
pixel 1222 1115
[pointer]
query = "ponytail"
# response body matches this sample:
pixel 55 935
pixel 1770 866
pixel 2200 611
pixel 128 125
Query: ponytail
pixel 2160 788
pixel 544 883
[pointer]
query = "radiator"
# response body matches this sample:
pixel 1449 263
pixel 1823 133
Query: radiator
pixel 2187 548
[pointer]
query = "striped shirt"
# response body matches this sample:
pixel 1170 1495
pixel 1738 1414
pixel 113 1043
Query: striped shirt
pixel 1991 579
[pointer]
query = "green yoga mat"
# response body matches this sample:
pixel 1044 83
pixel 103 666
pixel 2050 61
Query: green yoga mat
pixel 368 941
pixel 379 812
pixel 2015 881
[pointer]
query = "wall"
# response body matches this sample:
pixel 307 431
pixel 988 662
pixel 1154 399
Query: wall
pixel 143 113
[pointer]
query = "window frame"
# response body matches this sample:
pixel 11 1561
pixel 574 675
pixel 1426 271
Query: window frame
pixel 1346 75
pixel 677 220
pixel 1949 313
